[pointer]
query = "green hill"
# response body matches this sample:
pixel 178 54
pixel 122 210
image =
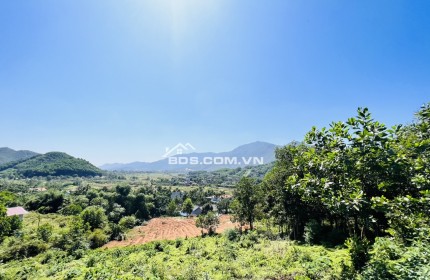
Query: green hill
pixel 8 155
pixel 50 164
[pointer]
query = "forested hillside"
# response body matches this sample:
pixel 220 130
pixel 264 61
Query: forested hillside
pixel 50 164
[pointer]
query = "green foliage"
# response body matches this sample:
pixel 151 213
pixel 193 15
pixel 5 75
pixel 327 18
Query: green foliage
pixel 187 206
pixel 171 208
pixel 94 216
pixel 127 222
pixel 312 232
pixel 8 225
pixel 246 205
pixel 232 234
pixel 97 238
pixel 210 222
pixel 195 258
pixel 47 202
pixel 51 164
pixel 390 259
pixel 19 249
pixel 71 209
pixel 44 232
pixel 359 251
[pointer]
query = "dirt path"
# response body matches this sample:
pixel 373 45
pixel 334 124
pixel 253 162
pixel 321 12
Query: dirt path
pixel 167 228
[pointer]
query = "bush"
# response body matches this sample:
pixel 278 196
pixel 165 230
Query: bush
pixel 72 209
pixel 44 232
pixel 97 239
pixel 115 232
pixel 127 222
pixel 359 252
pixel 94 216
pixel 23 249
pixel 390 259
pixel 232 234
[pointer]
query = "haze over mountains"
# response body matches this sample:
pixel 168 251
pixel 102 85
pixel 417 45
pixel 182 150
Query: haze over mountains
pixel 249 154
pixel 29 164
pixel 8 155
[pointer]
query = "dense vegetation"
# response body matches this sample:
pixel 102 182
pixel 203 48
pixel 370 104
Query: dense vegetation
pixel 50 164
pixel 358 182
pixel 223 257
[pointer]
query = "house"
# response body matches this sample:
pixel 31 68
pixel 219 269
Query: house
pixel 16 211
pixel 37 189
pixel 196 212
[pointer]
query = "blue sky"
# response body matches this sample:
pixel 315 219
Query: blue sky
pixel 118 81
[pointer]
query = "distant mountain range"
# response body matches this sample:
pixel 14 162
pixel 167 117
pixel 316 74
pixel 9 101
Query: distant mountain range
pixel 255 153
pixel 49 164
pixel 8 155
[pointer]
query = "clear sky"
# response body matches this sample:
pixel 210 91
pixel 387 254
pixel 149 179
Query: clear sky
pixel 118 81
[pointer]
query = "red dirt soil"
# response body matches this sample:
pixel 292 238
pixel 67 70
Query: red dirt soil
pixel 168 228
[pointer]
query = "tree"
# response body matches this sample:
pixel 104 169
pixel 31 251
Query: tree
pixel 48 202
pixel 210 222
pixel 127 222
pixel 97 238
pixel 8 225
pixel 187 207
pixel 246 203
pixel 139 208
pixel 171 208
pixel 94 216
pixel 224 205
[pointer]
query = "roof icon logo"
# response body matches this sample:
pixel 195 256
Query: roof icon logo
pixel 179 149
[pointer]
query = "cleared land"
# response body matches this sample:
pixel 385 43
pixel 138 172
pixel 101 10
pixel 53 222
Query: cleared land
pixel 168 229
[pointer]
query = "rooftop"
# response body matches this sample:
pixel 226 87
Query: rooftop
pixel 16 211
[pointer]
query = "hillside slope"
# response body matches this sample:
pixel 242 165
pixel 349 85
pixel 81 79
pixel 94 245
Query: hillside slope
pixel 50 164
pixel 9 155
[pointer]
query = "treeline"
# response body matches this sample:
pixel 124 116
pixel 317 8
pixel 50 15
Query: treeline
pixel 225 177
pixel 357 182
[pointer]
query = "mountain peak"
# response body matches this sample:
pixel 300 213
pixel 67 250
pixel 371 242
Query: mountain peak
pixel 8 155
pixel 243 155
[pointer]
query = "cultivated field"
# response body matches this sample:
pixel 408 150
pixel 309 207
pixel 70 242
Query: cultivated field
pixel 168 229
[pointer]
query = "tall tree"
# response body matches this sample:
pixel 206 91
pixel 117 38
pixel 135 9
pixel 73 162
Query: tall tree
pixel 246 203
pixel 210 222
pixel 187 207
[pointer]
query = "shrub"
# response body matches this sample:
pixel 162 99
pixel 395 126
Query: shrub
pixel 127 222
pixel 44 232
pixel 97 238
pixel 359 252
pixel 94 216
pixel 72 209
pixel 232 234
pixel 26 249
